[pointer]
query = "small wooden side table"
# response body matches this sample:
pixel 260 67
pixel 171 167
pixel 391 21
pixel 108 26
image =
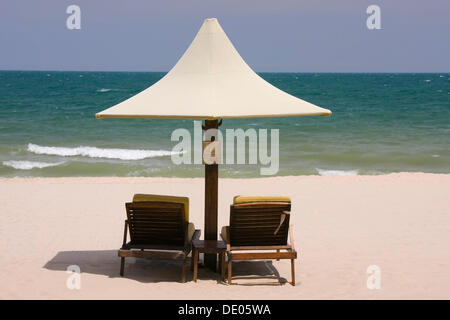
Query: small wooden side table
pixel 209 246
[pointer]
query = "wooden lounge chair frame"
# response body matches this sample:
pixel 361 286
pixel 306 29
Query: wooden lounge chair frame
pixel 158 230
pixel 260 226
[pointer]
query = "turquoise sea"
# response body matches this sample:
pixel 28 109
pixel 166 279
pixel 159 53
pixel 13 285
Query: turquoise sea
pixel 381 123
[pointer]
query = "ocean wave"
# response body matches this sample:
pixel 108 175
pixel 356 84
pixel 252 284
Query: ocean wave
pixel 28 165
pixel 106 90
pixel 323 172
pixel 94 152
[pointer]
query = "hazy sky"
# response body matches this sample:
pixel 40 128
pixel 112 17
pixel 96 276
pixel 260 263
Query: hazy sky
pixel 276 35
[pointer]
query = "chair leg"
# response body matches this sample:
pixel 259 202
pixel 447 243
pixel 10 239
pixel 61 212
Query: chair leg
pixel 195 264
pixel 183 271
pixel 229 269
pixel 222 267
pixel 122 266
pixel 293 271
pixel 219 266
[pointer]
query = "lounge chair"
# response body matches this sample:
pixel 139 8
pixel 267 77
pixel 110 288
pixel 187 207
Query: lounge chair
pixel 259 224
pixel 159 229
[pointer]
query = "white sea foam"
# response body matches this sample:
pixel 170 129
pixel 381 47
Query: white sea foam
pixel 28 165
pixel 93 152
pixel 104 90
pixel 323 172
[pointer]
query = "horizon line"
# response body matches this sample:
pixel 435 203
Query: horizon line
pixel 157 71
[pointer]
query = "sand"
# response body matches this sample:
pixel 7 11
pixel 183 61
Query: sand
pixel 342 225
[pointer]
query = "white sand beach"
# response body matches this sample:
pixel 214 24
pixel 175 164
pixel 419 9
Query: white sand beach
pixel 342 225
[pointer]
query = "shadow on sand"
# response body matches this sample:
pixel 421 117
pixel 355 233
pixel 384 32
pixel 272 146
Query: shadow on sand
pixel 107 263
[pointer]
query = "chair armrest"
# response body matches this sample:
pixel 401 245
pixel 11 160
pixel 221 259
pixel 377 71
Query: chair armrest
pixel 188 242
pixel 291 237
pixel 125 229
pixel 223 236
pixel 226 237
pixel 196 234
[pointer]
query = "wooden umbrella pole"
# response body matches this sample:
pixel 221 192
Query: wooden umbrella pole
pixel 211 200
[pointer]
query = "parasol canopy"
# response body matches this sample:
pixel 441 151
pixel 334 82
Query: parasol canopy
pixel 212 81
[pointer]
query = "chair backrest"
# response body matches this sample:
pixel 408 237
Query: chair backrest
pixel 156 223
pixel 259 223
pixel 140 197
